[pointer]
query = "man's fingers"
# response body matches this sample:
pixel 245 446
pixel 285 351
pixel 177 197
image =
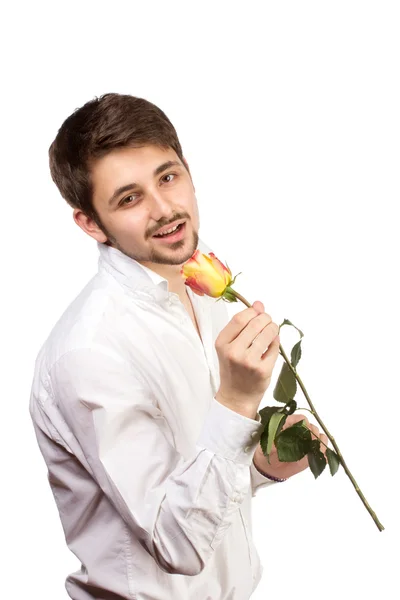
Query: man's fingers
pixel 315 433
pixel 324 438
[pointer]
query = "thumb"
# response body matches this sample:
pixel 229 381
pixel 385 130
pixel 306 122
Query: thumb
pixel 258 306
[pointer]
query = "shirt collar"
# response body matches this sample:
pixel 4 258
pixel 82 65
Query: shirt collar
pixel 134 276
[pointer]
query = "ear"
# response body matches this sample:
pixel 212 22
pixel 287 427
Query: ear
pixel 89 226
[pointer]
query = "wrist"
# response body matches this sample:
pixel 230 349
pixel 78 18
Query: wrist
pixel 271 477
pixel 236 406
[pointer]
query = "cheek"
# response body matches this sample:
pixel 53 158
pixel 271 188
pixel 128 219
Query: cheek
pixel 195 212
pixel 129 222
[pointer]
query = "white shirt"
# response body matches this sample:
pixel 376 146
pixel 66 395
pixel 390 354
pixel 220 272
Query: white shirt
pixel 152 476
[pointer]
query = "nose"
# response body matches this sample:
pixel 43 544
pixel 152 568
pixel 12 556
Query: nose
pixel 160 205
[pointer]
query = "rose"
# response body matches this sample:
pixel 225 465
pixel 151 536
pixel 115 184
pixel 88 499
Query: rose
pixel 207 275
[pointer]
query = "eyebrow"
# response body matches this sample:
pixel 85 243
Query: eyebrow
pixel 131 186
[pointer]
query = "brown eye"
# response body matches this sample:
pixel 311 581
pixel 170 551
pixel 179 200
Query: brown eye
pixel 124 201
pixel 169 175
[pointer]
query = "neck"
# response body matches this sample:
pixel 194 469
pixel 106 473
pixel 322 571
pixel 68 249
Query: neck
pixel 177 285
pixel 173 275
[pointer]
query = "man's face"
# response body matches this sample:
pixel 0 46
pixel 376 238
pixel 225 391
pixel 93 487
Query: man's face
pixel 149 201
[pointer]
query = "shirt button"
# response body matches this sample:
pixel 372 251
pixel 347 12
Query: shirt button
pixel 254 434
pixel 247 448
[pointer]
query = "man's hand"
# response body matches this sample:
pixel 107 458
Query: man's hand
pixel 284 470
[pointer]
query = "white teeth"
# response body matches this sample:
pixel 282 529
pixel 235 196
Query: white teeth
pixel 169 230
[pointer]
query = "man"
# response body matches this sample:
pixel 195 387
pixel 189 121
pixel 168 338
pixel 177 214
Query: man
pixel 147 422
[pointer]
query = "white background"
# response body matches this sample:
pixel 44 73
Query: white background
pixel 288 114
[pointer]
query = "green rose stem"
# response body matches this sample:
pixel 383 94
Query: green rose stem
pixel 314 412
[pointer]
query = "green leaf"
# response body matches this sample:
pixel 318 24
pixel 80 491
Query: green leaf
pixel 295 354
pixel 293 443
pixel 287 322
pixel 274 422
pixel 333 461
pixel 280 426
pixel 290 407
pixel 316 459
pixel 286 386
pixel 264 442
pixel 266 414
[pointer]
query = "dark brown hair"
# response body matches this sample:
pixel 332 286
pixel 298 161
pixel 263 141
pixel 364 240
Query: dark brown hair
pixel 107 122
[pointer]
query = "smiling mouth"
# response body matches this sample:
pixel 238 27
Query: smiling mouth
pixel 176 235
pixel 168 227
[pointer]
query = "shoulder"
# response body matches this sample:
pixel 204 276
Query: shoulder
pixel 89 321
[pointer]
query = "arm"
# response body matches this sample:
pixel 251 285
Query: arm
pixel 179 509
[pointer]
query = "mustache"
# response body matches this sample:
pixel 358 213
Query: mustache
pixel 170 223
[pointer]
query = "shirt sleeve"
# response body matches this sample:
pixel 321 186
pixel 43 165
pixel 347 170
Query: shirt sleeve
pixel 178 509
